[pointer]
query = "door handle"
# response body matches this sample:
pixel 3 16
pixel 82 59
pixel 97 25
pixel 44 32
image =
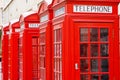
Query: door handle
pixel 76 66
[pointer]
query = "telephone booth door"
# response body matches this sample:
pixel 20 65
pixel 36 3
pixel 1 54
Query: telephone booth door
pixel 30 57
pixel 35 54
pixel 93 51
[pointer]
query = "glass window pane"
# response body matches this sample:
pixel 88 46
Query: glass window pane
pixel 55 50
pixel 42 50
pixel 84 77
pixel 94 65
pixel 54 36
pixel 58 50
pixel 34 41
pixel 84 65
pixel 42 62
pixel 94 77
pixel 57 35
pixel 55 62
pixel 104 50
pixel 35 62
pixel 56 76
pixel 42 74
pixel 35 74
pixel 42 38
pixel 93 34
pixel 35 49
pixel 60 34
pixel 104 34
pixel 105 77
pixel 60 65
pixel 83 50
pixel 83 34
pixel 104 65
pixel 60 77
pixel 94 50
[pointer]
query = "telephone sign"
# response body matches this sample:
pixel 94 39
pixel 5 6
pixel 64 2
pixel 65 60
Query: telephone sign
pixel 92 9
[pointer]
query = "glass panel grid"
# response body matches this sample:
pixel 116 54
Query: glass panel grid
pixel 58 54
pixel 20 58
pixel 94 54
pixel 42 56
pixel 35 47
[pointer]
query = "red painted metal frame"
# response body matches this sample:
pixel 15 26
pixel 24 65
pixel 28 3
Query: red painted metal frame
pixel 67 21
pixel 46 28
pixel 26 34
pixel 119 43
pixel 13 42
pixel 5 42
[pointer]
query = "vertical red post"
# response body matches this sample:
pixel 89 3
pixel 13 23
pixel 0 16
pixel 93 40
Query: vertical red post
pixel 14 28
pixel 5 42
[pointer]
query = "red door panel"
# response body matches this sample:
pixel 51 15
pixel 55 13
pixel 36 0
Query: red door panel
pixel 93 51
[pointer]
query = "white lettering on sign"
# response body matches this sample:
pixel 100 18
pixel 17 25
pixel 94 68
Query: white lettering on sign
pixel 59 11
pixel 92 9
pixel 17 30
pixel 44 18
pixel 33 25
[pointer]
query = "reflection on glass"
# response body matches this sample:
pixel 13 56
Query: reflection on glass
pixel 104 34
pixel 42 76
pixel 104 65
pixel 104 50
pixel 93 34
pixel 94 50
pixel 83 34
pixel 55 63
pixel 94 65
pixel 55 50
pixel 84 65
pixel 60 77
pixel 60 65
pixel 83 50
pixel 58 50
pixel 42 62
pixel 104 77
pixel 84 77
pixel 94 77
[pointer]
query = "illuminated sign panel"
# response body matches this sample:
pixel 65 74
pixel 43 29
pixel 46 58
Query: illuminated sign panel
pixel 33 25
pixel 59 11
pixel 92 9
pixel 44 18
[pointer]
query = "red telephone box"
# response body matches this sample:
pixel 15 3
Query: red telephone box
pixel 85 45
pixel 14 28
pixel 5 42
pixel 28 46
pixel 46 14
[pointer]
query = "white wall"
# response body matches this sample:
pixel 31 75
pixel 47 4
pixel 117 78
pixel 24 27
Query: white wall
pixel 16 7
pixel 1 7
